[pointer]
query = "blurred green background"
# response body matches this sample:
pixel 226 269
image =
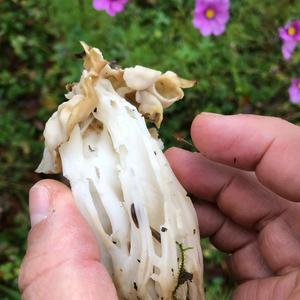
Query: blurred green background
pixel 241 71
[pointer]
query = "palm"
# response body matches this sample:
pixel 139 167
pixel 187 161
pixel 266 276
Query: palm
pixel 267 265
pixel 251 165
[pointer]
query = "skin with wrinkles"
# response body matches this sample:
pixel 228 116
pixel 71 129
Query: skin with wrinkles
pixel 246 175
pixel 250 194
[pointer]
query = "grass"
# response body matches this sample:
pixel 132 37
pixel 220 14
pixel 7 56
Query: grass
pixel 241 71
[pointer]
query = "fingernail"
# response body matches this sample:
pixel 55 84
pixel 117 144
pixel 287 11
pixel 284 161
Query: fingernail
pixel 39 204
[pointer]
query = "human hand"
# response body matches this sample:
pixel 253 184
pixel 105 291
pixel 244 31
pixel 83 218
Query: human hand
pixel 247 176
pixel 62 260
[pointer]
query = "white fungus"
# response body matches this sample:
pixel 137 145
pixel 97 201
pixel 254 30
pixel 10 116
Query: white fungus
pixel 144 222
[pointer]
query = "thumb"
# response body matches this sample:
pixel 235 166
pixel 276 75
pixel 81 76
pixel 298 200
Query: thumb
pixel 62 259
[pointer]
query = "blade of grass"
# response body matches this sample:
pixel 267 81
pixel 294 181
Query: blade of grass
pixel 10 292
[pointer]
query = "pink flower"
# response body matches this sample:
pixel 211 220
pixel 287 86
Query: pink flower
pixel 291 31
pixel 294 91
pixel 290 35
pixel 112 7
pixel 211 16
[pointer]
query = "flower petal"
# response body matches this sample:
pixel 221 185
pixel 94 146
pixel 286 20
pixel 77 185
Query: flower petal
pixel 101 4
pixel 112 7
pixel 118 6
pixel 218 29
pixel 288 49
pixel 294 91
pixel 206 29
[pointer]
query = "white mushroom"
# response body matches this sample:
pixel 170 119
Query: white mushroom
pixel 144 222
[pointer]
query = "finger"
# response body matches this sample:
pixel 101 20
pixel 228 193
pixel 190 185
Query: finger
pixel 280 246
pixel 247 263
pixel 224 234
pixel 237 193
pixel 268 146
pixel 62 259
pixel 275 288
